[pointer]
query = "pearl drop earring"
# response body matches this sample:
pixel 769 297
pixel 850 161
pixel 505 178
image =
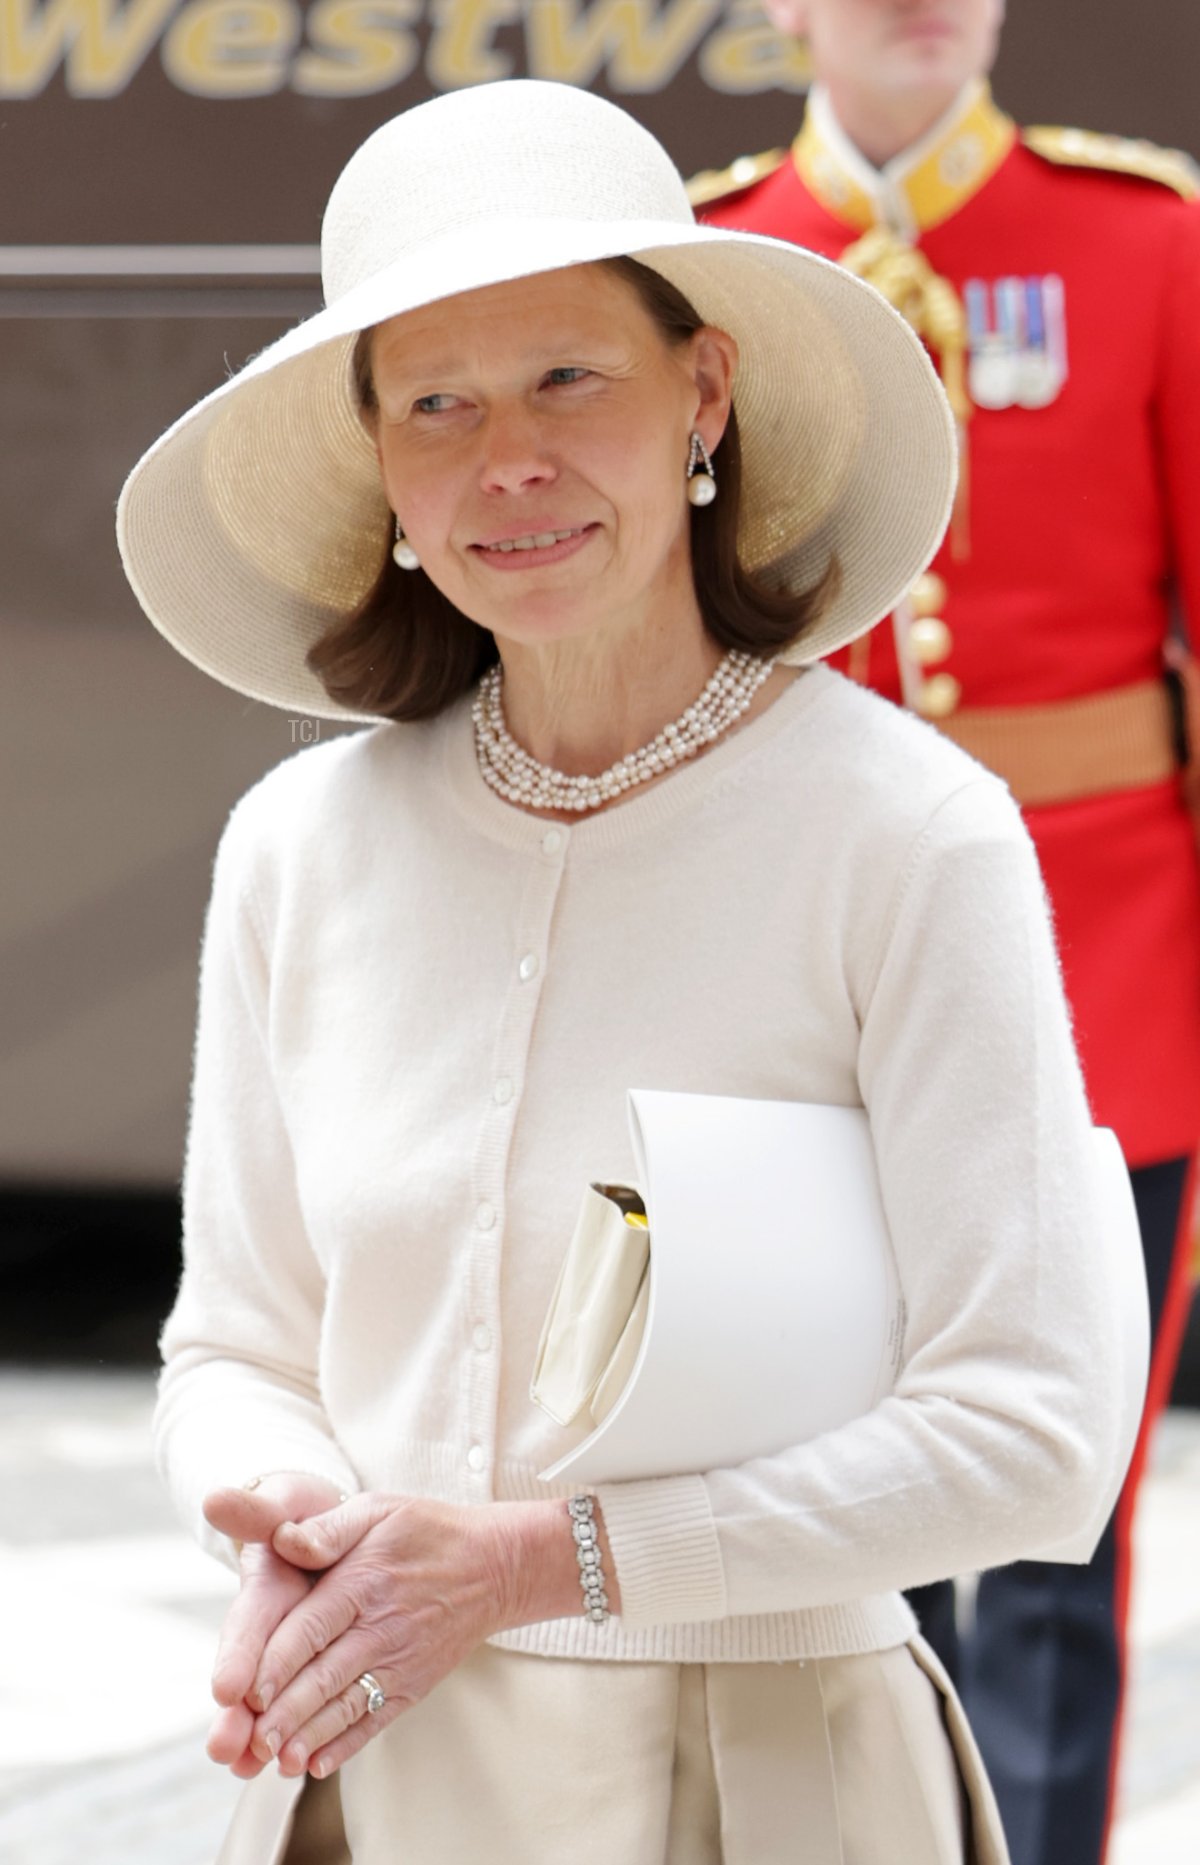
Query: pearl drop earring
pixel 701 480
pixel 403 552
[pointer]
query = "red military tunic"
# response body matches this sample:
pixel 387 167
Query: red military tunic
pixel 1084 526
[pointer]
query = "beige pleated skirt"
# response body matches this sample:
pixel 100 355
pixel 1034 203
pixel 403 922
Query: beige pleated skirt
pixel 522 1760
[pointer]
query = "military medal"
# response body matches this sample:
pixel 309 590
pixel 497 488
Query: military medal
pixel 1017 335
pixel 989 376
pixel 1046 341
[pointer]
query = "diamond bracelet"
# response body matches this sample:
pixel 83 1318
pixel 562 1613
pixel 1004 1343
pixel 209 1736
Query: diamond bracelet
pixel 587 1550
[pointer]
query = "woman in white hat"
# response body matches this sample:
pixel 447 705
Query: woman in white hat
pixel 562 495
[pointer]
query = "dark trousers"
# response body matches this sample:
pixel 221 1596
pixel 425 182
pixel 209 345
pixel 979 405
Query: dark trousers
pixel 1042 1669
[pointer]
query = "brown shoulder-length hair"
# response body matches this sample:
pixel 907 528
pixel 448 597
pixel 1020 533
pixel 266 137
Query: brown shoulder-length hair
pixel 407 652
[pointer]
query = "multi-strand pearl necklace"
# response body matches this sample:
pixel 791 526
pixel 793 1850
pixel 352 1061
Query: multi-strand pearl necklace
pixel 513 774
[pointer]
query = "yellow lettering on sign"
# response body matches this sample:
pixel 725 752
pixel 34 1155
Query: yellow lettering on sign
pixel 357 47
pixel 460 51
pixel 231 48
pixel 747 54
pixel 101 43
pixel 639 44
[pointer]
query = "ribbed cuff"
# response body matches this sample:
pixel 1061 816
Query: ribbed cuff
pixel 665 1551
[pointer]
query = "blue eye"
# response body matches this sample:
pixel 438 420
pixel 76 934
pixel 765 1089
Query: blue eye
pixel 432 404
pixel 560 378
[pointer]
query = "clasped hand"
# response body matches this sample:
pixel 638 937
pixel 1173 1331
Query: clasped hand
pixel 399 1587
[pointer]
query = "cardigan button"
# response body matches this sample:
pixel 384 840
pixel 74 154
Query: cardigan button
pixel 476 1457
pixel 528 968
pixel 481 1337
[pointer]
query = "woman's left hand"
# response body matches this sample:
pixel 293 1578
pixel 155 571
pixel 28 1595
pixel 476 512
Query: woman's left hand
pixel 409 1589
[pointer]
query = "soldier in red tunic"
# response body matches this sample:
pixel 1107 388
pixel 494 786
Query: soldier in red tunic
pixel 1055 276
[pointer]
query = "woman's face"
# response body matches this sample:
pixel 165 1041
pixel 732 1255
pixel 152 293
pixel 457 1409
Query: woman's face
pixel 533 440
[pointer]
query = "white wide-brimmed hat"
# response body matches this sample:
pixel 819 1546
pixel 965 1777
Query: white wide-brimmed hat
pixel 259 520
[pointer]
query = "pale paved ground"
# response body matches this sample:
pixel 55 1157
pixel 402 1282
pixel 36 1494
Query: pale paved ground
pixel 108 1615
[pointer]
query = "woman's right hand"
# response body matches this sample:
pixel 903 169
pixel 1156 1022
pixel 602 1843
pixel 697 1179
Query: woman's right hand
pixel 270 1587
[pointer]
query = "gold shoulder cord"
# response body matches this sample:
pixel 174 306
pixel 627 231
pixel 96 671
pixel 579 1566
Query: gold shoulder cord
pixel 930 304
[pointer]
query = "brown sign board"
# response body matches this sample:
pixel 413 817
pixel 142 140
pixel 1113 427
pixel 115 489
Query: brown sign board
pixel 227 120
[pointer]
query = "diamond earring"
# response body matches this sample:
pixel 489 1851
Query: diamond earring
pixel 701 480
pixel 403 552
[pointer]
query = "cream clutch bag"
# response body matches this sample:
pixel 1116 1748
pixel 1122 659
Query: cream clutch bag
pixel 752 1301
pixel 738 1293
pixel 597 1314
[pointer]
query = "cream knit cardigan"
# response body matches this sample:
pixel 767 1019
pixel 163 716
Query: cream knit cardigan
pixel 420 1011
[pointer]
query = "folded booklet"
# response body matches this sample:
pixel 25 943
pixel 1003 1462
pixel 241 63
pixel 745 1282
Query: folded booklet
pixel 742 1294
pixel 597 1315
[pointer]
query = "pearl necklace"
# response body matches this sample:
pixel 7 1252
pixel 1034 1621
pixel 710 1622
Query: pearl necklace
pixel 513 774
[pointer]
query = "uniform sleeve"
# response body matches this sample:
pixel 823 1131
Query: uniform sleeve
pixel 239 1391
pixel 1005 1427
pixel 1178 411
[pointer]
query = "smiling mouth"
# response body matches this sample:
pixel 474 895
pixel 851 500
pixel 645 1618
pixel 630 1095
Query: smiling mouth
pixel 533 540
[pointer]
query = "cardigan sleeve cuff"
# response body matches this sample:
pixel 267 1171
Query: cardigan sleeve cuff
pixel 665 1551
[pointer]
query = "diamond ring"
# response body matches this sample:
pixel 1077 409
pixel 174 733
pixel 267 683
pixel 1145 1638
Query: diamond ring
pixel 375 1696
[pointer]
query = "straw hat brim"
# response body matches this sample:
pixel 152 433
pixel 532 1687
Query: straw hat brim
pixel 258 519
